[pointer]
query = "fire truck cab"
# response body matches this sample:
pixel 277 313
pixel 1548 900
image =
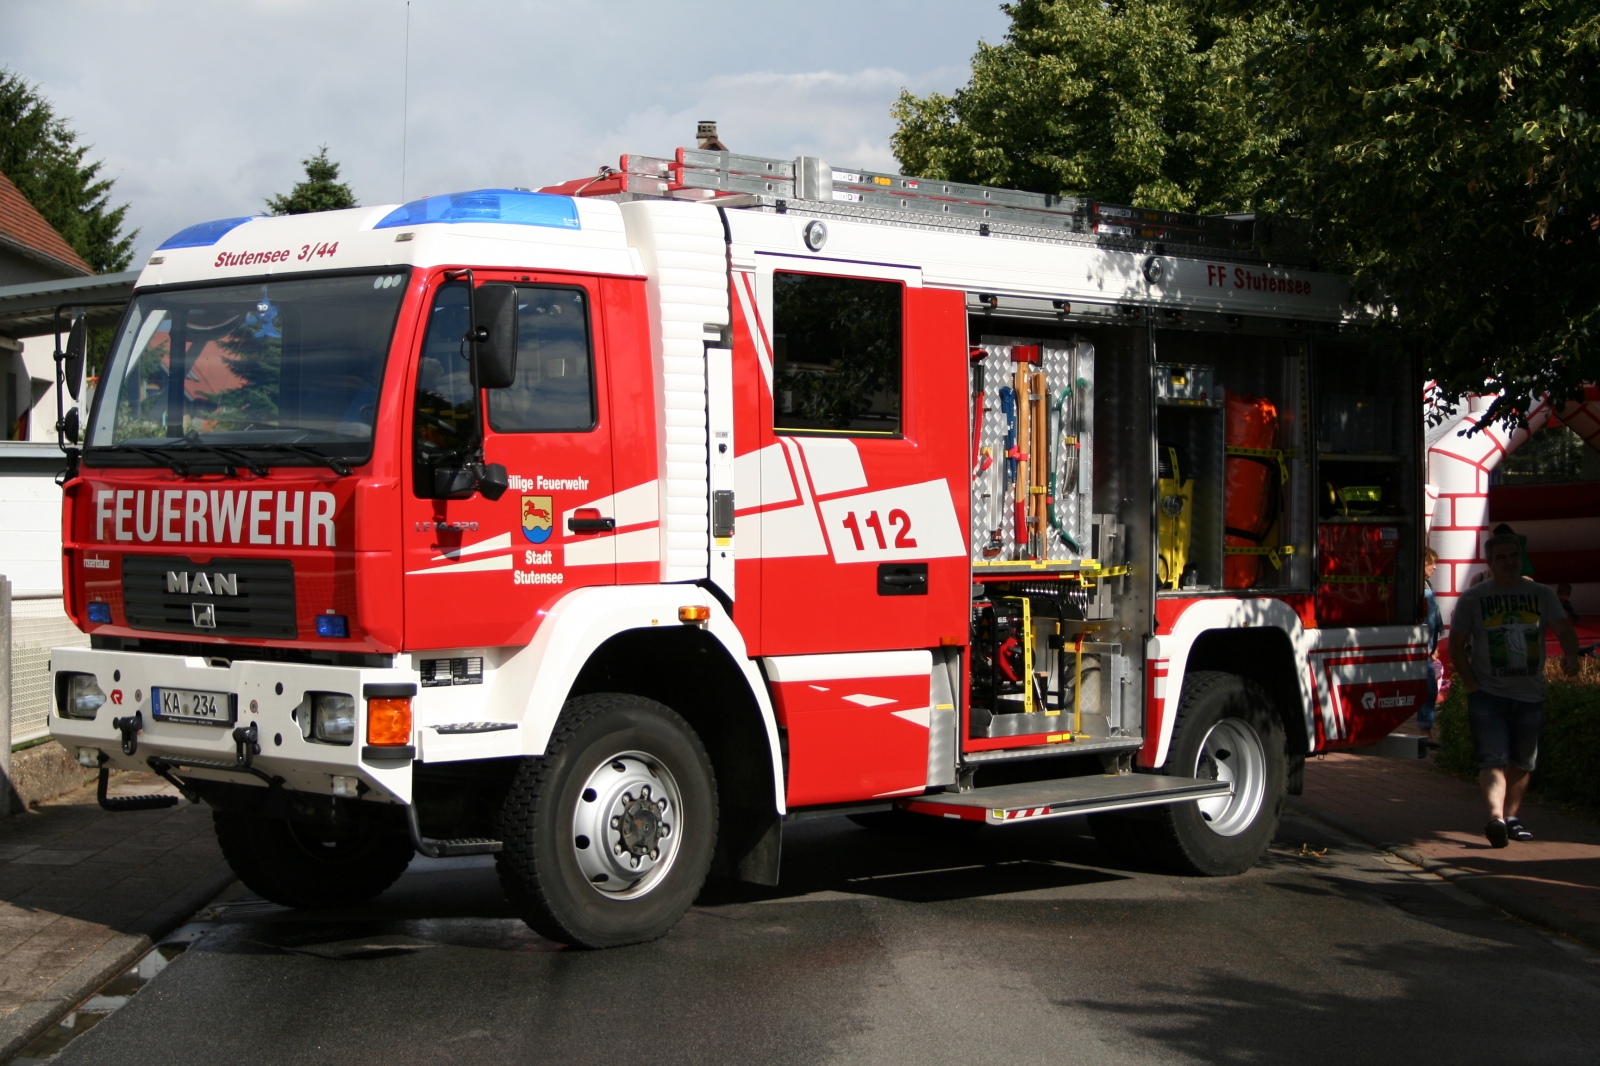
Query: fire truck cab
pixel 606 528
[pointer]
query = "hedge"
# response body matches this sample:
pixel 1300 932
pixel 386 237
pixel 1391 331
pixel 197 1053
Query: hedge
pixel 1569 747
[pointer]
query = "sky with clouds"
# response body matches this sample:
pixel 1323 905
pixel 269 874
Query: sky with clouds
pixel 201 110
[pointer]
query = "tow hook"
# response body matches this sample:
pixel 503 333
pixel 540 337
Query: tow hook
pixel 130 728
pixel 245 747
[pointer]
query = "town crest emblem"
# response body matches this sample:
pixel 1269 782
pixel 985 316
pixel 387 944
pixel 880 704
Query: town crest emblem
pixel 536 518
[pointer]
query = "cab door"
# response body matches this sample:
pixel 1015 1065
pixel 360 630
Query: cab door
pixel 479 571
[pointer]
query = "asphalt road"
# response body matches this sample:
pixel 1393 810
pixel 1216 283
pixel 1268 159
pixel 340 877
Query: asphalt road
pixel 1007 946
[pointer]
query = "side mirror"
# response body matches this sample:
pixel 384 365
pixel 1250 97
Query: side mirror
pixel 77 345
pixel 494 335
pixel 493 482
pixel 69 426
pixel 454 482
pixel 460 482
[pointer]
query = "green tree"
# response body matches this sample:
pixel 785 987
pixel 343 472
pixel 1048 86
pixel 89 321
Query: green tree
pixel 1442 151
pixel 321 191
pixel 1142 102
pixel 1445 151
pixel 41 155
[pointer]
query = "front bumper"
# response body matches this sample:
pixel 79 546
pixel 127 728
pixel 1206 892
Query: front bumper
pixel 270 695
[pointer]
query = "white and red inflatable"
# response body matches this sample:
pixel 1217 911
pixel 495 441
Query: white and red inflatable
pixel 1561 522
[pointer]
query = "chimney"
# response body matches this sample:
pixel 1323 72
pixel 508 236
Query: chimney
pixel 706 134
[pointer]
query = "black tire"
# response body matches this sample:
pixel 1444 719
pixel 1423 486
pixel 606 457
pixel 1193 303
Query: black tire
pixel 1181 838
pixel 303 865
pixel 540 866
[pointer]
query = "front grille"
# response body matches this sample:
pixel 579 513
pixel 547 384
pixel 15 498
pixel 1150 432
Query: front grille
pixel 240 597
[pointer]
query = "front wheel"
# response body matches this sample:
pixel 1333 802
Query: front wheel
pixel 300 864
pixel 1226 731
pixel 609 836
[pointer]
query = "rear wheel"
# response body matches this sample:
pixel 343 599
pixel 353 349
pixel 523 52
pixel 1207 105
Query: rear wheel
pixel 300 864
pixel 1226 730
pixel 609 836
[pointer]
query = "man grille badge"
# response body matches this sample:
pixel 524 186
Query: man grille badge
pixel 205 615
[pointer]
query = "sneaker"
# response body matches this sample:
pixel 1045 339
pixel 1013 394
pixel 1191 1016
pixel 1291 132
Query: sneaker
pixel 1516 830
pixel 1496 832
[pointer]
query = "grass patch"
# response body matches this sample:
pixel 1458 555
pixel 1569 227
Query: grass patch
pixel 1569 747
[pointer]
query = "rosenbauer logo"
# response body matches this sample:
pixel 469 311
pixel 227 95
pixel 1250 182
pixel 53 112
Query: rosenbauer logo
pixel 220 516
pixel 1372 701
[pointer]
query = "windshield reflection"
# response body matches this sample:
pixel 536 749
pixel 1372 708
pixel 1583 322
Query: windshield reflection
pixel 278 366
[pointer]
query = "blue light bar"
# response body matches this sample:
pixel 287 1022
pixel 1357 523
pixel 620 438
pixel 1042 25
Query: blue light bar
pixel 505 206
pixel 100 613
pixel 332 625
pixel 205 234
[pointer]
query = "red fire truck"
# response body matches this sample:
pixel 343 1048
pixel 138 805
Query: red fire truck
pixel 608 527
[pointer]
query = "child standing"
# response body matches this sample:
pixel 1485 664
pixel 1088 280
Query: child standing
pixel 1435 623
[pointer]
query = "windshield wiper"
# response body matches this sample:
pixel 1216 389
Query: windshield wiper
pixel 163 454
pixel 234 457
pixel 171 462
pixel 192 442
pixel 328 461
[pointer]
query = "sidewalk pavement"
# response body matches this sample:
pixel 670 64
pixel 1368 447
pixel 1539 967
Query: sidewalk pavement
pixel 85 893
pixel 1436 821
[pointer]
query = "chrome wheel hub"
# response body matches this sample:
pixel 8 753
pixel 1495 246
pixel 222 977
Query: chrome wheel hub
pixel 1232 752
pixel 626 825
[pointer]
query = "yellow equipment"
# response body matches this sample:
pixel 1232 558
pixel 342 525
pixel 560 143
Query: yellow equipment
pixel 1174 519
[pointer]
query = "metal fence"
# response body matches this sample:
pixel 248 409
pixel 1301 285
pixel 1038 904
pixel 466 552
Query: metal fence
pixel 38 623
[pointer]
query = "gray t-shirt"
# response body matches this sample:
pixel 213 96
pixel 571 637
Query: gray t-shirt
pixel 1507 629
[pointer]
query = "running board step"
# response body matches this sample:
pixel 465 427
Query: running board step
pixel 443 849
pixel 1005 804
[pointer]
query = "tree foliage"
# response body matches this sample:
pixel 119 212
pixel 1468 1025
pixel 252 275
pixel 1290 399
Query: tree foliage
pixel 1443 151
pixel 41 155
pixel 321 191
pixel 1446 152
pixel 1141 102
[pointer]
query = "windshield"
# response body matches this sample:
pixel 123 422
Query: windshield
pixel 274 365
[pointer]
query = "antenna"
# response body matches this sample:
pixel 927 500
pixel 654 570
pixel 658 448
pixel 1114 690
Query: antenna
pixel 405 105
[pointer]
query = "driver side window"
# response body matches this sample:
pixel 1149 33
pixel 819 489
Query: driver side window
pixel 444 416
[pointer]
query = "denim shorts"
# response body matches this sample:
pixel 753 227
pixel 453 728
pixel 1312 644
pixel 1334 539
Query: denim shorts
pixel 1505 732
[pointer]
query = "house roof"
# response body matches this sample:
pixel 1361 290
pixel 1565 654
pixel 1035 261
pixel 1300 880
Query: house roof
pixel 29 310
pixel 26 231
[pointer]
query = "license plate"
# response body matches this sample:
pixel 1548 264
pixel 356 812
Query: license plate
pixel 187 705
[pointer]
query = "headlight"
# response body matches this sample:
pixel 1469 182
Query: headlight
pixel 78 695
pixel 333 717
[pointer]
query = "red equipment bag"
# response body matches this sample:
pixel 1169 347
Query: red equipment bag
pixel 1249 500
pixel 1356 561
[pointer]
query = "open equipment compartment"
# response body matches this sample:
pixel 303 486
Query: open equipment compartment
pixel 1368 496
pixel 1047 567
pixel 1234 477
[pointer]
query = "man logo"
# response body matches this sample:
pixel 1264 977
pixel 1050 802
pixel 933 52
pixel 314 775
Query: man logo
pixel 204 615
pixel 537 520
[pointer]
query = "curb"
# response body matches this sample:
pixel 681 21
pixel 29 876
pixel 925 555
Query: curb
pixel 19 1028
pixel 1481 885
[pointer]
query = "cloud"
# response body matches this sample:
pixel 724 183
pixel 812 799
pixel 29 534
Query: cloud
pixel 202 110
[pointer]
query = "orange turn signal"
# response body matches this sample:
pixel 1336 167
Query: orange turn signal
pixel 694 616
pixel 389 721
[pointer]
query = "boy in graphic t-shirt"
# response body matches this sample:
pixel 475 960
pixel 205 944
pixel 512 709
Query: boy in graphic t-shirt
pixel 1497 647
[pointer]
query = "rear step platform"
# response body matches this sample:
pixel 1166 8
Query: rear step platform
pixel 1004 804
